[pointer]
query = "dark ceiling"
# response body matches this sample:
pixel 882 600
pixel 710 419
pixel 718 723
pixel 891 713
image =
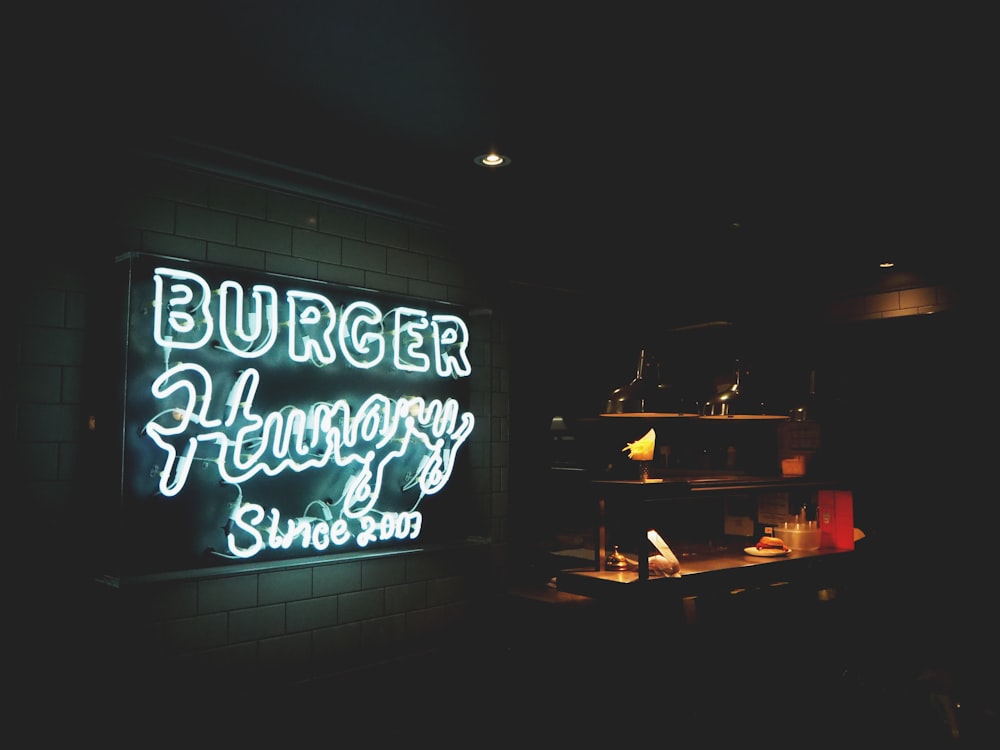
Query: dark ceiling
pixel 709 147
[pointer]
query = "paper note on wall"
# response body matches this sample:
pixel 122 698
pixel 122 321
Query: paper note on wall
pixel 772 508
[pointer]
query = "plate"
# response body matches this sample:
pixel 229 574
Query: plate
pixel 766 552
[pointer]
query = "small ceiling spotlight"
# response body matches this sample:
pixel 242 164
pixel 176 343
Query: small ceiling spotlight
pixel 886 264
pixel 492 160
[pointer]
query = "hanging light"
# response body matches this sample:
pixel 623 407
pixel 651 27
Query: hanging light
pixel 731 401
pixel 645 394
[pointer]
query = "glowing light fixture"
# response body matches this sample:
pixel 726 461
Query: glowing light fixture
pixel 645 394
pixel 212 402
pixel 492 160
pixel 730 401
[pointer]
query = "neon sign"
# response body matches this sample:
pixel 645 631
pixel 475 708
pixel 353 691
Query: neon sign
pixel 276 417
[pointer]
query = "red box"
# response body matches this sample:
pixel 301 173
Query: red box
pixel 835 513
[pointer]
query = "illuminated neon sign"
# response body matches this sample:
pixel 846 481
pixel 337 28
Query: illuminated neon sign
pixel 276 417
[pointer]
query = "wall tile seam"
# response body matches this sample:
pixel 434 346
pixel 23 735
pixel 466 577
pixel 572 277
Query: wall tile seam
pixel 935 290
pixel 878 313
pixel 294 186
pixel 452 290
pixel 235 243
pixel 280 223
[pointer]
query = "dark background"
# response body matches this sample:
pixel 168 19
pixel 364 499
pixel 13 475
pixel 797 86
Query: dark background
pixel 670 167
pixel 704 161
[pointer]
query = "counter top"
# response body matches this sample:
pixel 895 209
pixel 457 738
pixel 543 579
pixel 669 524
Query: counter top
pixel 681 483
pixel 721 568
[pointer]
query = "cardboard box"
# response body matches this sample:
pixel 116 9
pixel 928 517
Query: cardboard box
pixel 835 512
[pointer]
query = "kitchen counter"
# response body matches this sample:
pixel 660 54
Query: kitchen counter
pixel 721 569
pixel 712 564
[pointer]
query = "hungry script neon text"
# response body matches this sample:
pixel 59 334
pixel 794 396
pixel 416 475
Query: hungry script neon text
pixel 197 424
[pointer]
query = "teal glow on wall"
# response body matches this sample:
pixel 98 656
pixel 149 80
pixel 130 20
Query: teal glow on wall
pixel 268 417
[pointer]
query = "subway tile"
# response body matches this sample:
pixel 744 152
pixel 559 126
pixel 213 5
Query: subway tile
pixel 426 290
pixel 286 616
pixel 293 210
pixel 336 578
pixel 256 622
pixel 380 231
pixel 443 590
pixel 174 247
pixel 384 635
pixel 149 214
pixel 405 597
pixel 38 383
pixel 445 272
pixel 882 302
pixel 384 283
pixel 284 585
pixel 72 385
pixel 312 614
pixel 404 263
pixel 219 594
pixel 231 255
pixel 53 346
pixel 76 310
pixel 424 566
pixel 238 198
pixel 361 605
pixel 172 599
pixel 432 242
pixel 237 661
pixel 176 183
pixel 363 255
pixel 206 224
pixel 918 297
pixel 49 422
pixel 289 266
pixel 425 623
pixel 336 274
pixel 45 307
pixel 316 246
pixel 343 222
pixel 382 571
pixel 337 647
pixel 262 235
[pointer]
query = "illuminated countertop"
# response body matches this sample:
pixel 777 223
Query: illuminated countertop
pixel 681 482
pixel 722 568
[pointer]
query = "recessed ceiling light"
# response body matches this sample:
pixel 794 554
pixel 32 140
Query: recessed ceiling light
pixel 886 264
pixel 492 160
